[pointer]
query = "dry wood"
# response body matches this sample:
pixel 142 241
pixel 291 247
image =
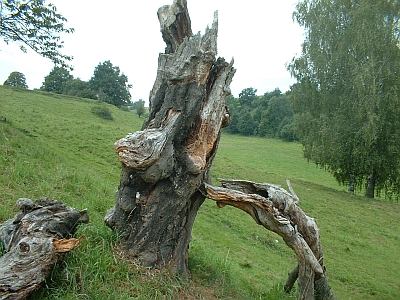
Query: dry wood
pixel 165 166
pixel 165 163
pixel 274 208
pixel 35 239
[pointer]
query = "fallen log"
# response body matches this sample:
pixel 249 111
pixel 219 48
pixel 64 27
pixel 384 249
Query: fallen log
pixel 277 210
pixel 38 236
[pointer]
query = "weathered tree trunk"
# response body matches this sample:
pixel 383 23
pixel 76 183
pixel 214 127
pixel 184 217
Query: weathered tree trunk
pixel 277 210
pixel 34 240
pixel 164 165
pixel 351 185
pixel 370 191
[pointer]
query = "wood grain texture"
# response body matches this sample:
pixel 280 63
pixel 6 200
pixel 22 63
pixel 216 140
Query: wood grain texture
pixel 277 210
pixel 31 240
pixel 165 163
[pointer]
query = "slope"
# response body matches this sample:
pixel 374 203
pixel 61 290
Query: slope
pixel 53 145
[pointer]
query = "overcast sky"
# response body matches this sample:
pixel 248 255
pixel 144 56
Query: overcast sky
pixel 260 35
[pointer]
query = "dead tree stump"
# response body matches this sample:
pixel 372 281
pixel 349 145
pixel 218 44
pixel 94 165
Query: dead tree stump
pixel 34 240
pixel 164 165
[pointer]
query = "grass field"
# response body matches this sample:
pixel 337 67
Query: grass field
pixel 54 146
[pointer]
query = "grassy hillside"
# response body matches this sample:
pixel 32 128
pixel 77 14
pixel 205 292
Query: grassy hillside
pixel 54 146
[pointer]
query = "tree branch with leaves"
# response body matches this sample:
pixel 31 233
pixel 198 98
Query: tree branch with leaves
pixel 36 25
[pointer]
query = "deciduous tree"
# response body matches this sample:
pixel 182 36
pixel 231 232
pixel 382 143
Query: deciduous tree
pixel 109 85
pixel 35 25
pixel 278 114
pixel 57 80
pixel 246 125
pixel 247 96
pixel 79 88
pixel 347 96
pixel 16 79
pixel 140 110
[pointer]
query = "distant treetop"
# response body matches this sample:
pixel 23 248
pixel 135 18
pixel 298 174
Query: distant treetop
pixel 16 79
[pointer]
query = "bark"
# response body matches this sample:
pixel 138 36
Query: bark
pixel 351 185
pixel 165 166
pixel 277 210
pixel 34 240
pixel 165 163
pixel 370 191
pixel 292 277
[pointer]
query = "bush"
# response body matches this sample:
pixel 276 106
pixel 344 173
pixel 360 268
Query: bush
pixel 287 133
pixel 102 111
pixel 124 107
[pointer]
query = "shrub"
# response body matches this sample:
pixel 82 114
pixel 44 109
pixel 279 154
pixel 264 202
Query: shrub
pixel 124 107
pixel 102 111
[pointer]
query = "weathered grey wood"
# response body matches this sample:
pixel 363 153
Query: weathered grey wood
pixel 274 208
pixel 33 240
pixel 165 166
pixel 165 163
pixel 291 280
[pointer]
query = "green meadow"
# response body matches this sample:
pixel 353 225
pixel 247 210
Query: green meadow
pixel 55 146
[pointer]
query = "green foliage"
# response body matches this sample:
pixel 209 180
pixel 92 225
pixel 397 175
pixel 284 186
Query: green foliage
pixel 16 79
pixel 247 96
pixel 246 124
pixel 347 95
pixel 268 115
pixel 102 111
pixel 79 88
pixel 35 25
pixel 69 156
pixel 139 107
pixel 288 132
pixel 137 103
pixel 109 85
pixel 277 115
pixel 106 85
pixel 57 80
pixel 269 95
pixel 125 108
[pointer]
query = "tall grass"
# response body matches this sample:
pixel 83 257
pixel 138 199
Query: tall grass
pixel 54 146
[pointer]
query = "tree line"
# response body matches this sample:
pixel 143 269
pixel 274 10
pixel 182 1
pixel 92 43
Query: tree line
pixel 344 108
pixel 269 115
pixel 107 84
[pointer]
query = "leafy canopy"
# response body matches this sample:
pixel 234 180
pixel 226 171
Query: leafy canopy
pixel 278 115
pixel 57 80
pixel 268 115
pixel 247 96
pixel 35 25
pixel 109 85
pixel 79 88
pixel 347 96
pixel 16 79
pixel 139 107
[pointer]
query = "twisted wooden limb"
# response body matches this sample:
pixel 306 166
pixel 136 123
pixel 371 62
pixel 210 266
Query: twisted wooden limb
pixel 292 277
pixel 277 210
